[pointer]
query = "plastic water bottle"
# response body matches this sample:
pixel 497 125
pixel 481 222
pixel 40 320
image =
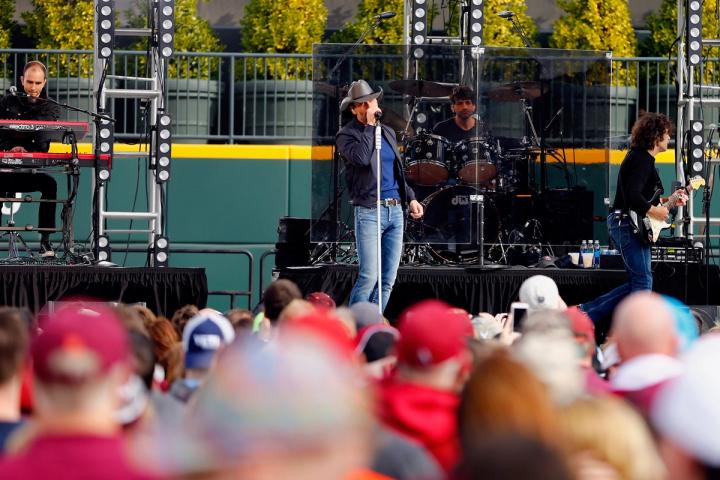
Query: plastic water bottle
pixel 596 253
pixel 583 252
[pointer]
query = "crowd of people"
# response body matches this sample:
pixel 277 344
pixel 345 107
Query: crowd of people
pixel 305 389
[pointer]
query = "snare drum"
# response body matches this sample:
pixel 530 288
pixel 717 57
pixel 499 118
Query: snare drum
pixel 425 162
pixel 476 160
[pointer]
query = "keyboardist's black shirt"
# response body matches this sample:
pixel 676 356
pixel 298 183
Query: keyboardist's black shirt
pixel 19 108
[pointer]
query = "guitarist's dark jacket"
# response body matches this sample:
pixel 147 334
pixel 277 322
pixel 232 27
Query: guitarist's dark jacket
pixel 638 181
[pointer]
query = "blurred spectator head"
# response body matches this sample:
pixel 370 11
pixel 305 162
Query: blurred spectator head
pixel 131 319
pixel 321 300
pixel 14 344
pixel 376 342
pixel 431 332
pixel 685 324
pixel 540 293
pixel 549 349
pixel 164 338
pixel 134 394
pixel 503 396
pixel 685 413
pixel 512 456
pixel 147 315
pixel 204 335
pixel 277 296
pixel 609 431
pixel 241 320
pixel 366 314
pixel 295 309
pixel 181 317
pixel 261 415
pixel 325 326
pixel 643 324
pixel 486 327
pixel 80 362
pixel 583 330
pixel 348 318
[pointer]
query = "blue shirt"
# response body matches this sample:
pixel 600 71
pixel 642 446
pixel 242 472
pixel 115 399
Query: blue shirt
pixel 389 186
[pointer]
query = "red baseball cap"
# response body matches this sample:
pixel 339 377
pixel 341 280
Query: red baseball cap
pixel 79 342
pixel 431 332
pixel 580 323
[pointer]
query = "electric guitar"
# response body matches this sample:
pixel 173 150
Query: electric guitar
pixel 649 228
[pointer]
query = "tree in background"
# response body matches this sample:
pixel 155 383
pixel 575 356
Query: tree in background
pixel 388 31
pixel 499 32
pixel 7 10
pixel 292 26
pixel 597 25
pixel 61 24
pixel 662 41
pixel 193 34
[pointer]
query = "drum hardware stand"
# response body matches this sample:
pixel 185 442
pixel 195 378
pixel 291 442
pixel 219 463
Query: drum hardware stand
pixel 13 237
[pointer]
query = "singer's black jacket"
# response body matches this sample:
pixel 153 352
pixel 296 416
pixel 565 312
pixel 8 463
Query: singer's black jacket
pixel 20 108
pixel 356 144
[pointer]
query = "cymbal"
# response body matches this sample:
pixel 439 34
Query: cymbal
pixel 513 92
pixel 395 121
pixel 422 88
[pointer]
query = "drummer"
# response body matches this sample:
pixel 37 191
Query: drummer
pixel 464 123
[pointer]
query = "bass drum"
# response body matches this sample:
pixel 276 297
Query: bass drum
pixel 425 160
pixel 452 217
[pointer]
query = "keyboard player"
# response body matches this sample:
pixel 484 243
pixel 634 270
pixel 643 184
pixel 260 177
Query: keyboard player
pixel 29 104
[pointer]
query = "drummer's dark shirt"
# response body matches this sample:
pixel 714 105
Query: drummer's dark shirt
pixel 450 130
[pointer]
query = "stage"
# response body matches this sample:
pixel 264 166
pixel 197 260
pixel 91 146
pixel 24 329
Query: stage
pixel 164 290
pixel 493 290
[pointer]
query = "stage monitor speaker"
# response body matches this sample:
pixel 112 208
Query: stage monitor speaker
pixel 566 215
pixel 293 245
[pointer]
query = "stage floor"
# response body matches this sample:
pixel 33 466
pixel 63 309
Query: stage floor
pixel 493 290
pixel 164 290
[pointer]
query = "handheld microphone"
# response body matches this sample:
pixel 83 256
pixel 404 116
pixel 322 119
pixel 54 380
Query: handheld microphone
pixel 378 115
pixel 385 15
pixel 506 14
pixel 13 90
pixel 708 144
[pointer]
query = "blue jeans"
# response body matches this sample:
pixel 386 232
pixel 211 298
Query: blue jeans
pixel 636 257
pixel 391 227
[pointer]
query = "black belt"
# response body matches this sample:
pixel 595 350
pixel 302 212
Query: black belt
pixel 389 202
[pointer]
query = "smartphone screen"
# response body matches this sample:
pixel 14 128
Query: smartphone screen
pixel 519 312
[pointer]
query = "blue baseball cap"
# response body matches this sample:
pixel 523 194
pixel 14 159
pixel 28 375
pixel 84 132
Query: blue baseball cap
pixel 203 336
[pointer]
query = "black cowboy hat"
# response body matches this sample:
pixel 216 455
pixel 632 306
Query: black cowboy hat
pixel 360 92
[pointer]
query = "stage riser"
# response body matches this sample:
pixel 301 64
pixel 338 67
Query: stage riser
pixel 493 291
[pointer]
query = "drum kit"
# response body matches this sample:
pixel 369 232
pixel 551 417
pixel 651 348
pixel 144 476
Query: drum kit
pixel 461 173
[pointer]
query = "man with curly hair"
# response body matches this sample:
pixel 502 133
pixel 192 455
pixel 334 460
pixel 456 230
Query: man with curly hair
pixel 638 180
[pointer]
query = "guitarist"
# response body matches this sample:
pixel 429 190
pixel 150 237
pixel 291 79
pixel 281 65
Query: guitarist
pixel 638 180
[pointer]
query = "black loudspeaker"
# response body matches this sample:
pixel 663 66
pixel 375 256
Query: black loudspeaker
pixel 293 245
pixel 566 215
pixel 707 316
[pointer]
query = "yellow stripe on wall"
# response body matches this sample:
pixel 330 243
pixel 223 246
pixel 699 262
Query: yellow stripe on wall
pixel 308 152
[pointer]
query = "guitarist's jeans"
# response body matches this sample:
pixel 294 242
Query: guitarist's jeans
pixel 636 257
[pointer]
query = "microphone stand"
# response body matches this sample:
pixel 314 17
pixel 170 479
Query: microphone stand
pixel 517 28
pixel 378 183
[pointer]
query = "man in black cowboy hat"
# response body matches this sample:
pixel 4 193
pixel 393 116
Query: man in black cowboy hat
pixel 356 143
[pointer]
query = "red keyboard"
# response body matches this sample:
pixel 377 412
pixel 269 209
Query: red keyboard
pixel 41 159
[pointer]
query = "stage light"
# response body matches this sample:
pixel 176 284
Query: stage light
pixel 105 140
pixel 161 251
pixel 418 34
pixel 694 32
pixel 163 151
pixel 476 22
pixel 105 27
pixel 696 151
pixel 103 248
pixel 166 27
